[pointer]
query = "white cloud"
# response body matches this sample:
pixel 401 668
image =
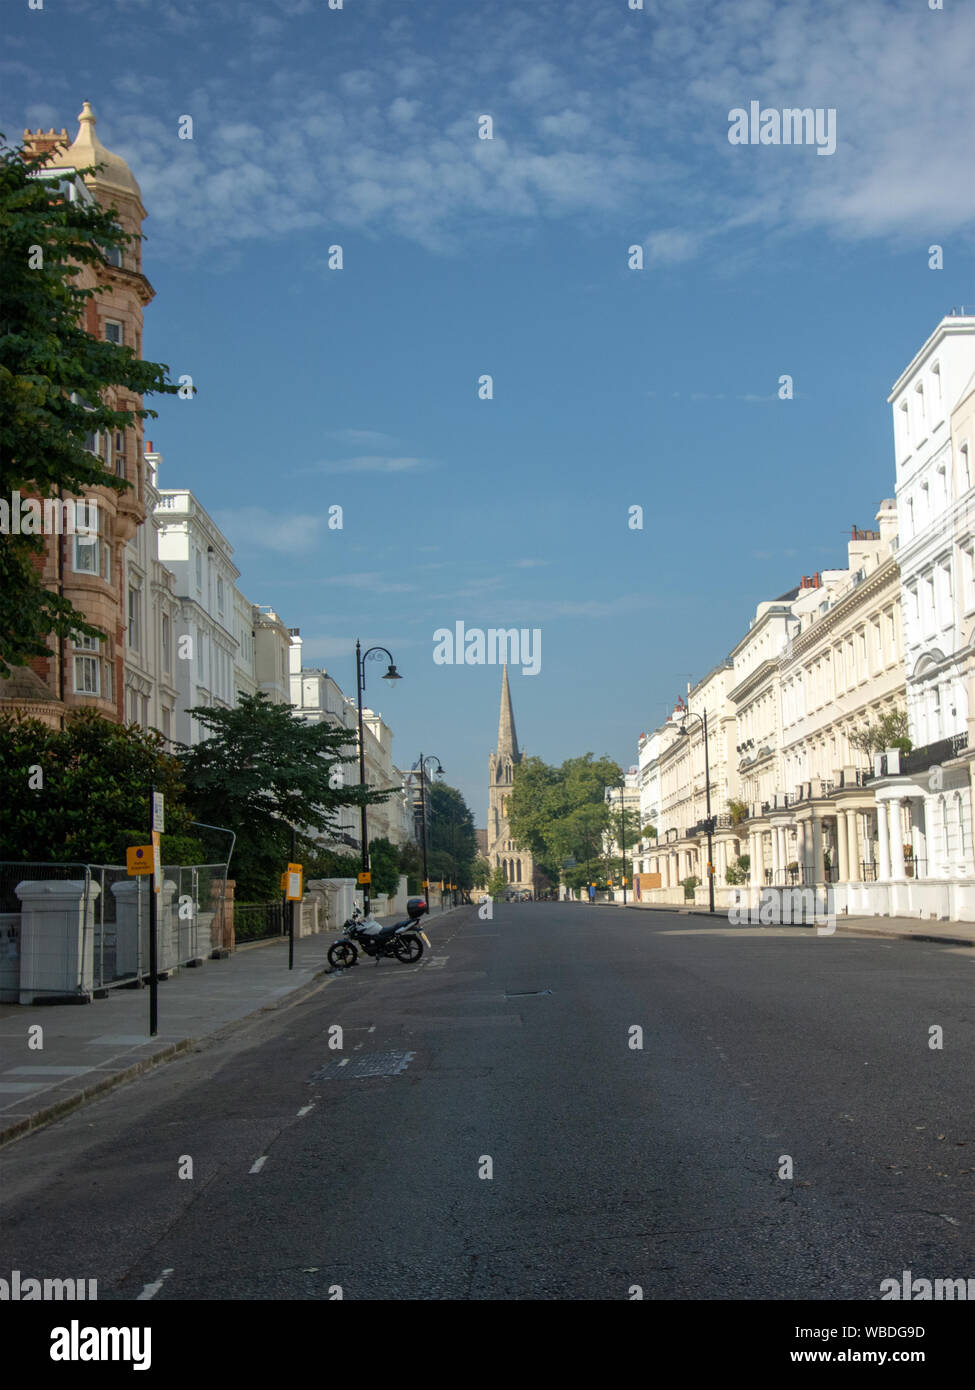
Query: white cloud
pixel 369 463
pixel 255 528
pixel 597 115
pixel 364 438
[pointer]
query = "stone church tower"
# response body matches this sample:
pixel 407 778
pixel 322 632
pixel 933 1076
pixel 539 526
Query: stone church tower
pixel 501 850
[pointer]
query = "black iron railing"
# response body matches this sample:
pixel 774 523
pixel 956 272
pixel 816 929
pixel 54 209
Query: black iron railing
pixel 258 921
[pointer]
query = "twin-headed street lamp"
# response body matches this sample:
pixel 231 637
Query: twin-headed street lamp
pixel 707 791
pixel 360 684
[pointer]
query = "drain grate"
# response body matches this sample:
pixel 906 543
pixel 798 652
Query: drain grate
pixel 374 1064
pixel 524 993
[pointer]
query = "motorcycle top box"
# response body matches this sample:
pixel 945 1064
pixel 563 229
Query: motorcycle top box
pixel 415 908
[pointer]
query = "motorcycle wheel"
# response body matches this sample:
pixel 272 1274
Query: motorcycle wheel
pixel 408 949
pixel 342 955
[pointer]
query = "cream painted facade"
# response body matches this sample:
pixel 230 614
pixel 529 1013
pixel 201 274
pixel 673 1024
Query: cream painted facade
pixel 676 772
pixel 152 611
pixel 785 709
pixel 197 552
pixel 894 630
pixel 316 697
pixel 925 833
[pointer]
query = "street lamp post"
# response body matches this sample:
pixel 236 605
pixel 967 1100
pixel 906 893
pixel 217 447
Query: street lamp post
pixel 707 793
pixel 360 684
pixel 422 765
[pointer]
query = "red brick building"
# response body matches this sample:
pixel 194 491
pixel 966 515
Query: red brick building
pixel 87 672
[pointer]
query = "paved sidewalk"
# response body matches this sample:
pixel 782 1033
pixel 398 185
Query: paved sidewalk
pixel 89 1048
pixel 907 928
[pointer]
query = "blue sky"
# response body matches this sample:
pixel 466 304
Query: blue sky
pixel 612 387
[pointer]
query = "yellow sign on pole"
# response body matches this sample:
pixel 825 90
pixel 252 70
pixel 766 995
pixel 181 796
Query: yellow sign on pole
pixel 139 859
pixel 156 861
pixel 293 885
pixel 365 877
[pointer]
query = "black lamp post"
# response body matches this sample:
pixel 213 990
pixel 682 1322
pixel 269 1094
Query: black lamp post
pixel 422 765
pixel 360 684
pixel 707 792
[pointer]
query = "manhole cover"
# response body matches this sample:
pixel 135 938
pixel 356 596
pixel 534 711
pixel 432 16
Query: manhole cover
pixel 374 1064
pixel 524 993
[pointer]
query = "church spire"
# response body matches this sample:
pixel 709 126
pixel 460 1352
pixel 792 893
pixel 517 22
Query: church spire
pixel 507 738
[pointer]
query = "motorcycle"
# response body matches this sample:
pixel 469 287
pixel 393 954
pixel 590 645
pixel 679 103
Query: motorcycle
pixel 403 940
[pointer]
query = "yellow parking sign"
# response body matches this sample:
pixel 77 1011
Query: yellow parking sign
pixel 139 859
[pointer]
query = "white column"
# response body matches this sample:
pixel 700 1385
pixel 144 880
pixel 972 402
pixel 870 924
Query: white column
pixel 817 848
pixel 776 854
pixel 842 846
pixel 758 863
pixel 896 839
pixel 883 841
pixel 853 836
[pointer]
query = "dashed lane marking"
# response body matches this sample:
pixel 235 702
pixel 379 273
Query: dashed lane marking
pixel 259 1164
pixel 150 1290
pixel 305 1109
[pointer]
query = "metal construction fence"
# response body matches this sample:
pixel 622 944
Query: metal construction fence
pixel 113 911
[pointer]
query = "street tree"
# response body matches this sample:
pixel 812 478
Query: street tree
pixel 451 840
pixel 561 813
pixel 54 382
pixel 263 773
pixel 889 731
pixel 81 794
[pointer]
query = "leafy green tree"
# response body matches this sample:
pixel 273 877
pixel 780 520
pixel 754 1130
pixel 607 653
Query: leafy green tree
pixel 81 794
pixel 889 731
pixel 260 773
pixel 384 865
pixel 411 864
pixel 560 813
pixel 53 377
pixel 497 883
pixel 480 872
pixel 451 840
pixel 738 872
pixel 320 862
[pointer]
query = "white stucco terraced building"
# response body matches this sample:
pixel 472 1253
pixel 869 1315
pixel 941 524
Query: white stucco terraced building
pixel 892 630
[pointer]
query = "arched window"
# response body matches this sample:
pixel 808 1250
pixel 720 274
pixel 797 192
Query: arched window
pixel 519 871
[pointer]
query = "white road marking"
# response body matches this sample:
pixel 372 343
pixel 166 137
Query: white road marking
pixel 344 1062
pixel 305 1108
pixel 150 1290
pixel 259 1164
pixel 372 1029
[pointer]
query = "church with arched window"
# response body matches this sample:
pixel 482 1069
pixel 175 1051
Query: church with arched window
pixel 518 865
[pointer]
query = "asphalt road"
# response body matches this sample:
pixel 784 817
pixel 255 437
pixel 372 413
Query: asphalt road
pixel 508 1051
